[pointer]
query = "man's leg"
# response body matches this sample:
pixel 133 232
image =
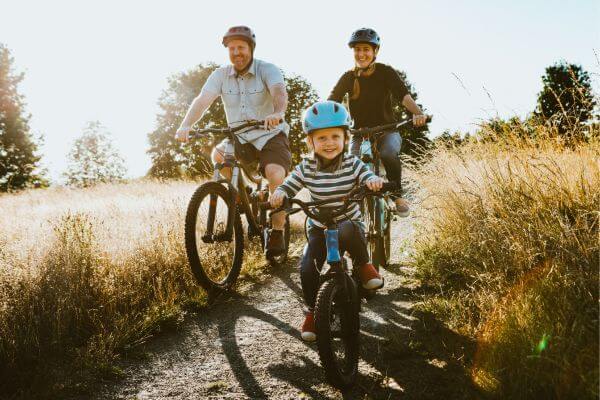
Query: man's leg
pixel 217 157
pixel 275 161
pixel 276 174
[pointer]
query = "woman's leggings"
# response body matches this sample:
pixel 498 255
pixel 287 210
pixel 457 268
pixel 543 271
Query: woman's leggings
pixel 351 237
pixel 388 146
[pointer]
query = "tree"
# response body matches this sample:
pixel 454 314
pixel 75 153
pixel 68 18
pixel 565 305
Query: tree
pixel 170 159
pixel 566 99
pixel 19 166
pixel 300 95
pixel 93 159
pixel 413 139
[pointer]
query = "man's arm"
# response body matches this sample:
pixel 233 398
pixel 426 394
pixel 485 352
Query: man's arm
pixel 194 113
pixel 418 118
pixel 280 100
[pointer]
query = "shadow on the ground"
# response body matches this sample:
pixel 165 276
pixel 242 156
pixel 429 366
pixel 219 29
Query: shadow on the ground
pixel 413 354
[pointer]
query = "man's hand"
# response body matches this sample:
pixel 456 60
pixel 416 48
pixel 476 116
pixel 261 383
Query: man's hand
pixel 277 198
pixel 183 134
pixel 419 120
pixel 374 184
pixel 271 121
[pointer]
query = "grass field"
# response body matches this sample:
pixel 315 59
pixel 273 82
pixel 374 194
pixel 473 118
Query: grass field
pixel 508 245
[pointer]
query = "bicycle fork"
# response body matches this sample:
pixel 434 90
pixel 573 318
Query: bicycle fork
pixel 209 236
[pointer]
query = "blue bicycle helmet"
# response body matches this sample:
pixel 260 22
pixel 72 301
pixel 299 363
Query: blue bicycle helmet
pixel 364 35
pixel 325 114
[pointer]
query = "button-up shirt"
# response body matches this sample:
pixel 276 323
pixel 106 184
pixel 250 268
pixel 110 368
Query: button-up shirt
pixel 248 97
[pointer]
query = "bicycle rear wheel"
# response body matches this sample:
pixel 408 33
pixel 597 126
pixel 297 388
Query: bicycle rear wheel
pixel 215 255
pixel 338 329
pixel 372 209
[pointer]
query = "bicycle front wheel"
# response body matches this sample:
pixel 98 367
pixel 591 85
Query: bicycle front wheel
pixel 372 210
pixel 338 328
pixel 214 251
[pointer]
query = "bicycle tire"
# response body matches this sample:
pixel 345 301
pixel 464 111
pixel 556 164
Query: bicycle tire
pixel 201 276
pixel 375 240
pixel 379 253
pixel 340 376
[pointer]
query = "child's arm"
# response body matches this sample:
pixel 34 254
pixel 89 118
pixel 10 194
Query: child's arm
pixel 367 177
pixel 289 188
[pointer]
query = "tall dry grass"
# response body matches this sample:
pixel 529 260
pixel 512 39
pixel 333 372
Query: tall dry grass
pixel 85 273
pixel 508 243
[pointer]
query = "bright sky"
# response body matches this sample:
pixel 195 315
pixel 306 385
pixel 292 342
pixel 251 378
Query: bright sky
pixel 109 60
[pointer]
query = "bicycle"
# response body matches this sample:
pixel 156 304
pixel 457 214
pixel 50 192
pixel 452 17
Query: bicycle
pixel 214 236
pixel 337 307
pixel 376 211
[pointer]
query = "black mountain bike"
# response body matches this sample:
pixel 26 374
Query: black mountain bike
pixel 214 233
pixel 375 210
pixel 338 299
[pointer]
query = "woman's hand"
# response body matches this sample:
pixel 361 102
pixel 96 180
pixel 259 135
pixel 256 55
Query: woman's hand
pixel 277 198
pixel 374 184
pixel 419 120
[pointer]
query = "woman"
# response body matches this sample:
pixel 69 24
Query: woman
pixel 370 86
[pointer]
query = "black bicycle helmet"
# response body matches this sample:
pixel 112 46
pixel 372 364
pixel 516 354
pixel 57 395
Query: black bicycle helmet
pixel 240 32
pixel 364 35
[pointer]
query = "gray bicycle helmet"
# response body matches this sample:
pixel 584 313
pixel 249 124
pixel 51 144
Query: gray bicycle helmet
pixel 240 32
pixel 364 35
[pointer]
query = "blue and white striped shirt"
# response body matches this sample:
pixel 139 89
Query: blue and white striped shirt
pixel 326 185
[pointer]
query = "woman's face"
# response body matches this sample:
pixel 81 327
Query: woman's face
pixel 363 54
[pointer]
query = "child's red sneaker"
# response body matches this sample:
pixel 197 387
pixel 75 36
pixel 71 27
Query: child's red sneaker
pixel 369 277
pixel 308 331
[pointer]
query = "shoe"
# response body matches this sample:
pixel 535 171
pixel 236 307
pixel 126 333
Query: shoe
pixel 275 244
pixel 402 208
pixel 369 277
pixel 308 331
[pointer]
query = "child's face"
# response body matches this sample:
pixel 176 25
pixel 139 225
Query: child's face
pixel 328 142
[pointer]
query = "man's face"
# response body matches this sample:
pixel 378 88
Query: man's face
pixel 240 53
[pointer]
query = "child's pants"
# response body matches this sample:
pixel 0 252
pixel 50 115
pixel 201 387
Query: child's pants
pixel 351 236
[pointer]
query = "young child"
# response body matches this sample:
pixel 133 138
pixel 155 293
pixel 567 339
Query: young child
pixel 331 172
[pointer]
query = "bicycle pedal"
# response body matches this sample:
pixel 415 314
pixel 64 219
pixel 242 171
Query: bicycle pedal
pixel 222 237
pixel 207 238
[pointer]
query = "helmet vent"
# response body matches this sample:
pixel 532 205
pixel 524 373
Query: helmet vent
pixel 315 111
pixel 336 108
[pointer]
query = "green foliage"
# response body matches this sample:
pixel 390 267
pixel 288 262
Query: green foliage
pixel 18 159
pixel 93 159
pixel 170 159
pixel 300 95
pixel 566 100
pixel 414 139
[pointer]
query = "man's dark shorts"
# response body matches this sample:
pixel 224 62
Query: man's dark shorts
pixel 275 151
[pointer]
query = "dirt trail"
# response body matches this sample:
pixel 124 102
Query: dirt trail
pixel 249 347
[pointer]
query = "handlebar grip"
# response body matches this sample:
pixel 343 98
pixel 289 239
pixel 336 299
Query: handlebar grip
pixel 429 118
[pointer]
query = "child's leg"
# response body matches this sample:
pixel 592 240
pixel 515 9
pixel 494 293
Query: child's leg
pixel 314 256
pixel 352 239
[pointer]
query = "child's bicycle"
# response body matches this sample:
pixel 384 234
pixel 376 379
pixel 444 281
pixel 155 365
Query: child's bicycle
pixel 214 234
pixel 375 210
pixel 337 307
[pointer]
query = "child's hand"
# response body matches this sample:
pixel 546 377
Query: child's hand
pixel 374 184
pixel 276 198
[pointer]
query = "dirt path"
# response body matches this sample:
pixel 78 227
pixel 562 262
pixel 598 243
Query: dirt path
pixel 249 347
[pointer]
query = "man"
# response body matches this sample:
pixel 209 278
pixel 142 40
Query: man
pixel 250 89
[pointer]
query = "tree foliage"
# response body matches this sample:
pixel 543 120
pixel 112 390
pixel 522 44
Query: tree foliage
pixel 413 138
pixel 566 99
pixel 19 166
pixel 93 159
pixel 300 95
pixel 171 159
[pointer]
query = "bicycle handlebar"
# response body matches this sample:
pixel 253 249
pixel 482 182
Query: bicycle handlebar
pixel 356 194
pixel 384 128
pixel 226 131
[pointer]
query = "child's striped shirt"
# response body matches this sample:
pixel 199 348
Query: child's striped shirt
pixel 325 185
